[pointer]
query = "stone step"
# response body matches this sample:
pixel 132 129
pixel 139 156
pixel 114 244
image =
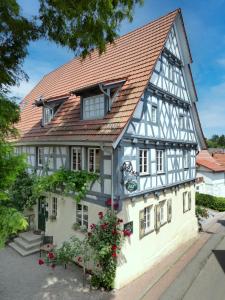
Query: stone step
pixel 27 245
pixel 30 237
pixel 21 251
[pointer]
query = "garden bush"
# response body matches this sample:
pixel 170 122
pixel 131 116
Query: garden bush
pixel 213 202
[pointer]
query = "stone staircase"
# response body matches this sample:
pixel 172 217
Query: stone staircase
pixel 27 243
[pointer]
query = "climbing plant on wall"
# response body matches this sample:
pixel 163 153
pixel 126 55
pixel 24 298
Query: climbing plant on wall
pixel 65 182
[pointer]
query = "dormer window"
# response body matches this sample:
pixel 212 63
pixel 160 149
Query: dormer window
pixel 48 114
pixel 93 107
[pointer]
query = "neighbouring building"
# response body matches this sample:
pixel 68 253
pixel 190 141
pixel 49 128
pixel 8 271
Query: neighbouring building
pixel 129 115
pixel 211 173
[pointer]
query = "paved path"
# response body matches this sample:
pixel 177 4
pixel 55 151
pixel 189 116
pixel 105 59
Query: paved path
pixel 21 278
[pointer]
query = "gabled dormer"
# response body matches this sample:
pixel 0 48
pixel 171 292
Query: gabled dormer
pixel 49 108
pixel 96 101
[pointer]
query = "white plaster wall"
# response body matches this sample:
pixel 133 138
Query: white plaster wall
pixel 141 254
pixel 214 183
pixel 61 228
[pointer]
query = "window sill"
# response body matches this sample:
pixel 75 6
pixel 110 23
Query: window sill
pixel 161 173
pixel 147 233
pixel 165 222
pixel 144 174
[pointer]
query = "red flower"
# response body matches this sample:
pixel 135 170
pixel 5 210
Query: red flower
pixel 51 255
pixel 53 266
pixel 127 232
pixel 114 231
pixel 114 247
pixel 114 254
pixel 116 205
pixel 100 214
pixel 92 226
pixel 104 226
pixel 79 259
pixel 108 202
pixel 41 262
pixel 120 220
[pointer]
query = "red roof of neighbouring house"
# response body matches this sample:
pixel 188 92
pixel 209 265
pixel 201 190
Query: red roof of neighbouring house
pixel 132 57
pixel 220 157
pixel 205 159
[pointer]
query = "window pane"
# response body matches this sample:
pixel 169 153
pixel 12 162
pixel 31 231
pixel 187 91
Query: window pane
pixel 93 107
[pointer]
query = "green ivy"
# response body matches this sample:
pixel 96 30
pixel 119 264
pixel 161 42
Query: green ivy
pixel 11 221
pixel 21 192
pixel 65 182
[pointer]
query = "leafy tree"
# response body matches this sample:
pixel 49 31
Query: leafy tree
pixel 10 165
pixel 216 141
pixel 15 34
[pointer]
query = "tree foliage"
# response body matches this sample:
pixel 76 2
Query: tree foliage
pixel 84 25
pixel 15 34
pixel 216 141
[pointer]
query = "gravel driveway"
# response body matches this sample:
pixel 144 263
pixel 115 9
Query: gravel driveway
pixel 21 278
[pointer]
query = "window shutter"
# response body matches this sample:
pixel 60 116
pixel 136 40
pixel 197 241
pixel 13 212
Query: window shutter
pixel 157 217
pixel 141 224
pixel 169 210
pixel 184 202
pixel 189 200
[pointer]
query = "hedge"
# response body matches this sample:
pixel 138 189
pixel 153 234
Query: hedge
pixel 213 202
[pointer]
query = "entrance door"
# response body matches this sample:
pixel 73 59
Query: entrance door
pixel 41 213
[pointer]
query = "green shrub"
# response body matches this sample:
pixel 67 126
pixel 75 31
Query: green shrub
pixel 213 202
pixel 201 212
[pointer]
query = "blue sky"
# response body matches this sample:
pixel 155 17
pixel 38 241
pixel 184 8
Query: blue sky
pixel 205 25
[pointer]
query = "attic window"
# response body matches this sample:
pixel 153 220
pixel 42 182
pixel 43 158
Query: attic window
pixel 93 107
pixel 48 114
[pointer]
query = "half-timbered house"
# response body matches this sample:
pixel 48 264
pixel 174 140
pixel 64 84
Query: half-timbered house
pixel 129 115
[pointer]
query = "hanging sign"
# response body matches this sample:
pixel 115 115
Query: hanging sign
pixel 131 185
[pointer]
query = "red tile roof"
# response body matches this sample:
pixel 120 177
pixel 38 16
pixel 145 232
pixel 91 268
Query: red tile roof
pixel 132 56
pixel 205 159
pixel 219 157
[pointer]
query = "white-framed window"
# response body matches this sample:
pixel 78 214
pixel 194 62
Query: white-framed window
pixel 160 161
pixel 54 206
pixel 82 215
pixel 40 156
pixel 186 201
pixel 154 113
pixel 185 159
pixel 48 114
pixel 94 160
pixel 146 221
pixel 143 161
pixel 182 122
pixel 76 159
pixel 93 107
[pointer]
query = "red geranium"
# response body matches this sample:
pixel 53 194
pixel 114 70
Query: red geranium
pixel 120 220
pixel 51 255
pixel 108 202
pixel 104 226
pixel 114 254
pixel 41 262
pixel 114 231
pixel 92 226
pixel 114 247
pixel 100 214
pixel 127 232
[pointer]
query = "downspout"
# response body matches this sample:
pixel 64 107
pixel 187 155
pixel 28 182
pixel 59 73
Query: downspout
pixel 112 190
